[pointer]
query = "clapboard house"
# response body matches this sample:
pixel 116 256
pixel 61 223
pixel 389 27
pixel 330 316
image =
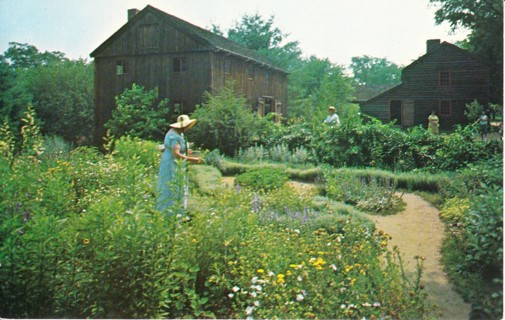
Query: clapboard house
pixel 157 50
pixel 444 79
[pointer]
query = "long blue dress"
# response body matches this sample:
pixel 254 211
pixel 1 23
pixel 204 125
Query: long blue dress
pixel 172 189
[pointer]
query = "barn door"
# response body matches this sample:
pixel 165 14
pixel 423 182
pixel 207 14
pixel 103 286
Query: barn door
pixel 408 113
pixel 395 111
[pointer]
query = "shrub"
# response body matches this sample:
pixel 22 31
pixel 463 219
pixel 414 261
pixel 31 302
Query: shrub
pixel 137 115
pixel 226 123
pixel 367 194
pixel 266 178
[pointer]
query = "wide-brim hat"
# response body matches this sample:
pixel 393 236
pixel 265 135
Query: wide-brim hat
pixel 331 108
pixel 183 122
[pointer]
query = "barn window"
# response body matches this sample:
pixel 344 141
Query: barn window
pixel 250 72
pixel 445 107
pixel 445 79
pixel 179 64
pixel 227 66
pixel 121 67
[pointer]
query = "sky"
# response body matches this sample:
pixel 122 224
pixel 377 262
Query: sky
pixel 334 29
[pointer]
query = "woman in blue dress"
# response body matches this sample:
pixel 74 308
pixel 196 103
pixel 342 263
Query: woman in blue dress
pixel 172 190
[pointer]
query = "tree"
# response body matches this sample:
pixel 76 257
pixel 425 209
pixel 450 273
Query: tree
pixel 25 56
pixel 256 33
pixel 370 70
pixel 60 90
pixel 138 115
pixel 484 19
pixel 315 85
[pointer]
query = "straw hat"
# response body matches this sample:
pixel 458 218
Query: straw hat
pixel 183 122
pixel 331 108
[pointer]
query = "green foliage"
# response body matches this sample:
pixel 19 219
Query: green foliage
pixel 474 252
pixel 266 178
pixel 60 90
pixel 370 70
pixel 455 210
pixel 315 85
pixel 138 115
pixel 225 123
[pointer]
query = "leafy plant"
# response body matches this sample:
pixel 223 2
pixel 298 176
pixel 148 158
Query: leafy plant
pixel 266 179
pixel 138 115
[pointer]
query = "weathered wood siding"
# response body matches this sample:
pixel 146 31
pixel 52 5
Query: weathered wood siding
pixel 468 80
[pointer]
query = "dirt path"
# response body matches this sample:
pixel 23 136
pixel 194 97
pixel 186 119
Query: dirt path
pixel 418 231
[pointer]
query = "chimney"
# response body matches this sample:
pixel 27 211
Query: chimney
pixel 132 13
pixel 432 44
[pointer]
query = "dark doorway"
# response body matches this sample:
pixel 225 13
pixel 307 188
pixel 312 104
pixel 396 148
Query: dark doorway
pixel 395 111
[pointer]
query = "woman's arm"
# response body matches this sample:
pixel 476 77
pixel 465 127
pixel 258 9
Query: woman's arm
pixel 176 153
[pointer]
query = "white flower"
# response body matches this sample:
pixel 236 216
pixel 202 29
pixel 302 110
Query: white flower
pixel 257 303
pixel 334 267
pixel 376 304
pixel 249 310
pixel 254 279
pixel 299 278
pixel 230 295
pixel 271 274
pixel 342 306
pixel 300 297
pixel 235 289
pixel 253 294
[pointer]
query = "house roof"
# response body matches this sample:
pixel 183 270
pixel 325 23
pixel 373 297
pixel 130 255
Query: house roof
pixel 207 38
pixel 420 60
pixel 439 47
pixel 367 91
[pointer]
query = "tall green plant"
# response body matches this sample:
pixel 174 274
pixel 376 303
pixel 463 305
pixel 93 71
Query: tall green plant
pixel 139 114
pixel 225 122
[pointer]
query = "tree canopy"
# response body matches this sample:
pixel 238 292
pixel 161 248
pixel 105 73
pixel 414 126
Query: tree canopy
pixel 371 70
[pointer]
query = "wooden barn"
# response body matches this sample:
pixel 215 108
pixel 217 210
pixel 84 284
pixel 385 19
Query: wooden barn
pixel 155 49
pixel 444 79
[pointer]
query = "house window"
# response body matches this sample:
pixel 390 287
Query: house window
pixel 149 36
pixel 445 107
pixel 179 64
pixel 250 72
pixel 267 79
pixel 444 79
pixel 227 66
pixel 121 67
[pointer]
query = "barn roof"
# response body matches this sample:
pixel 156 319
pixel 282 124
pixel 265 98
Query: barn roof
pixel 213 41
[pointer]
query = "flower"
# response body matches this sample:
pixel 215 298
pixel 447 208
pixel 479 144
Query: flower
pixel 376 304
pixel 260 271
pixel 230 295
pixel 249 310
pixel 300 297
pixel 235 289
pixel 85 241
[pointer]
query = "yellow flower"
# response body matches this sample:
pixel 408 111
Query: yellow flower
pixel 85 241
pixel 260 271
